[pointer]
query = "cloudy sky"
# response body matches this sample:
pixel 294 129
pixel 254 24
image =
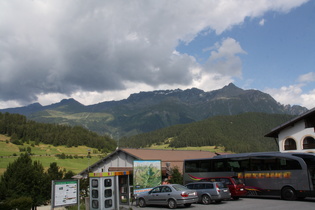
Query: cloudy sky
pixel 102 50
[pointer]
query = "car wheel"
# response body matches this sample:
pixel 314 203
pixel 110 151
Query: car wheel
pixel 205 199
pixel 236 198
pixel 288 193
pixel 141 202
pixel 187 204
pixel 172 204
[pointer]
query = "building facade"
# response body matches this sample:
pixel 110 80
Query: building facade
pixel 296 135
pixel 122 160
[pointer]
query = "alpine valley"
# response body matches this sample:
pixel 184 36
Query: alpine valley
pixel 149 111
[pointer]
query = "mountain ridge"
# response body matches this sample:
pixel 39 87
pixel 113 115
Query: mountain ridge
pixel 147 111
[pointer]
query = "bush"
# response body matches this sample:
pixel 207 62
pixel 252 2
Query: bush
pixel 22 203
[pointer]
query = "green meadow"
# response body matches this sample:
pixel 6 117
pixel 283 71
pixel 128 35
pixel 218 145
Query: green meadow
pixel 46 154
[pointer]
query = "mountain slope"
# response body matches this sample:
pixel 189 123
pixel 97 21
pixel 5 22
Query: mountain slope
pixel 237 133
pixel 149 111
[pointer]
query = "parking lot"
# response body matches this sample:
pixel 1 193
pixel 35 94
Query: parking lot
pixel 249 203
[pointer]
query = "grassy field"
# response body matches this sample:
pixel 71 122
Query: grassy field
pixel 203 148
pixel 46 155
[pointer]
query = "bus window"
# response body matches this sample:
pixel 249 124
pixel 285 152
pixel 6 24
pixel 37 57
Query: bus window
pixel 219 165
pixel 233 165
pixel 256 164
pixel 205 166
pixel 198 166
pixel 244 164
pixel 289 164
pixel 191 166
pixel 271 164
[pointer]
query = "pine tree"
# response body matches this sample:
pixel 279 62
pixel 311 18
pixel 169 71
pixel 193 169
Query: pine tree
pixel 24 179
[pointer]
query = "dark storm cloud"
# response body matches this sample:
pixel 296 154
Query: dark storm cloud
pixel 63 47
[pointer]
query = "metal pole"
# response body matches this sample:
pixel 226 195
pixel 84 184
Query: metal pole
pixel 78 193
pixel 52 195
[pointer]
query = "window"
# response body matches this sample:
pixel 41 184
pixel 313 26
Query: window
pixel 309 143
pixel 108 193
pixel 108 203
pixel 107 182
pixel 289 164
pixel 166 189
pixel 95 204
pixel 208 186
pixel 219 165
pixel 94 183
pixel 289 144
pixel 198 166
pixel 156 190
pixel 199 186
pixel 94 193
pixel 191 166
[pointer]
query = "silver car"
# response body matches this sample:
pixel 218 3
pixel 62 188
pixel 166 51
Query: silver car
pixel 169 195
pixel 210 191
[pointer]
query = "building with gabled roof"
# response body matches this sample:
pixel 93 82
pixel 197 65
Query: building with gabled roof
pixel 296 135
pixel 122 159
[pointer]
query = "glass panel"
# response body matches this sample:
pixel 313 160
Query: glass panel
pixel 108 203
pixel 94 193
pixel 94 183
pixel 107 182
pixel 309 143
pixel 289 144
pixel 108 193
pixel 95 204
pixel 219 165
pixel 289 164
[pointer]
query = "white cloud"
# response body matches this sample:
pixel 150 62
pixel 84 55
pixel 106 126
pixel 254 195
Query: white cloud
pixel 293 95
pixel 306 78
pixel 224 59
pixel 308 99
pixel 51 49
pixel 262 22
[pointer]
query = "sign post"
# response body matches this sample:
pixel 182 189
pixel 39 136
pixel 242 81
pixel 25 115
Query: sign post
pixel 65 193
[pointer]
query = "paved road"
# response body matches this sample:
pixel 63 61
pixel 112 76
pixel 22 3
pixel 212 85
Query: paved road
pixel 248 203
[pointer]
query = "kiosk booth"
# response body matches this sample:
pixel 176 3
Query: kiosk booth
pixel 109 190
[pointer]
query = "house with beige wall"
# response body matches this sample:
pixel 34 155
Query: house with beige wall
pixel 296 135
pixel 122 159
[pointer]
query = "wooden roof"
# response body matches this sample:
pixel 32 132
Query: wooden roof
pixel 174 157
pixel 275 132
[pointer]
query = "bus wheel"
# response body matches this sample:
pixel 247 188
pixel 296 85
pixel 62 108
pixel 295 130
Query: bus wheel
pixel 288 193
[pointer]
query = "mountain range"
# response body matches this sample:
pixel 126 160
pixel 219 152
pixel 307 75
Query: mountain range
pixel 148 111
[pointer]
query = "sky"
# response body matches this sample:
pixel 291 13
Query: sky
pixel 103 50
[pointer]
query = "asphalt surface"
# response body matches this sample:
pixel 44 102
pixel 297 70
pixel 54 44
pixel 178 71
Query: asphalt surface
pixel 245 203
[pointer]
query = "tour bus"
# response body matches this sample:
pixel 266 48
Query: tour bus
pixel 289 175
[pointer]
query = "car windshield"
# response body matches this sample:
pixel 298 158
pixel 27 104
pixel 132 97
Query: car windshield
pixel 179 187
pixel 221 185
pixel 237 180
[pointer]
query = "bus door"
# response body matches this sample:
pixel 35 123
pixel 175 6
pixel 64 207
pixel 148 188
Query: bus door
pixel 239 166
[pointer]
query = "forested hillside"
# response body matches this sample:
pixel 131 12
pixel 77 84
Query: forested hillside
pixel 22 130
pixel 148 111
pixel 237 133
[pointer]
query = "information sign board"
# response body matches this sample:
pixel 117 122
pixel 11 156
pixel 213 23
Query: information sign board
pixel 65 192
